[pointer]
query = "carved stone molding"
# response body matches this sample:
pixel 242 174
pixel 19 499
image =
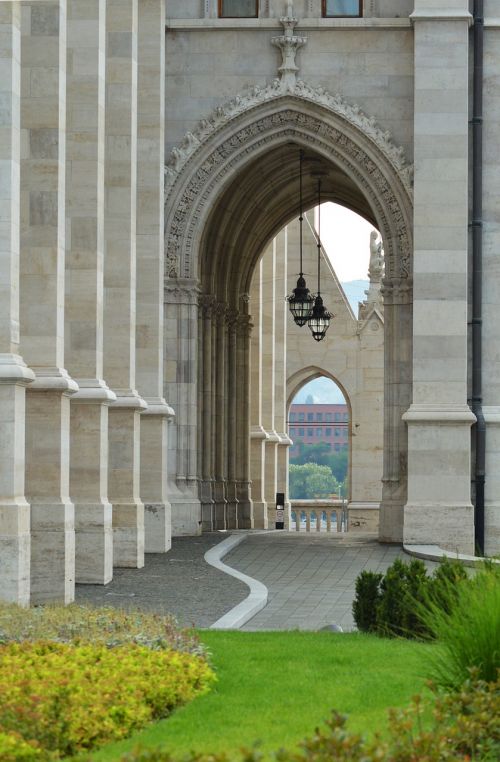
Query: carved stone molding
pixel 195 184
pixel 397 290
pixel 206 304
pixel 244 325
pixel 181 291
pixel 257 95
pixel 289 43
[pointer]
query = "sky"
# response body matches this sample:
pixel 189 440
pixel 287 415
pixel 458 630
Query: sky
pixel 346 239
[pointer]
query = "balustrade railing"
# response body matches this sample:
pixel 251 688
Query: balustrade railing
pixel 318 516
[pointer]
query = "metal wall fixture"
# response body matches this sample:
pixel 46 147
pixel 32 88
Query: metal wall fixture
pixel 301 300
pixel 319 320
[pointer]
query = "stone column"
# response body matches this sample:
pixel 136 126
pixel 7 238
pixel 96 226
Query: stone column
pixel 232 420
pixel 43 169
pixel 245 518
pixel 120 282
pixel 258 434
pixel 439 508
pixel 280 332
pixel 85 104
pixel 14 375
pixel 397 395
pixel 268 389
pixel 491 285
pixel 220 423
pixel 206 306
pixel 181 382
pixel 150 265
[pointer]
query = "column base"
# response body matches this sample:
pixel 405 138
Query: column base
pixel 186 509
pixel 94 543
pixel 52 552
pixel 451 526
pixel 245 515
pixel 232 505
pixel 260 515
pixel 363 517
pixel 128 535
pixel 15 553
pixel 391 522
pixel 157 527
pixel 492 529
pixel 220 505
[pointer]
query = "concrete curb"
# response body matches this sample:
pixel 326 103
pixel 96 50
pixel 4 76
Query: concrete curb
pixel 435 553
pixel 256 599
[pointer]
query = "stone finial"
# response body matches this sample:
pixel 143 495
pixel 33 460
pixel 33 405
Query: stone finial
pixel 288 43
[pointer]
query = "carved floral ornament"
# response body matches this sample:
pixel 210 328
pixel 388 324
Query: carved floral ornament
pixel 206 157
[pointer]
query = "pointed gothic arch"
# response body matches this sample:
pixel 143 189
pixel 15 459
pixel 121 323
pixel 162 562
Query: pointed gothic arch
pixel 229 189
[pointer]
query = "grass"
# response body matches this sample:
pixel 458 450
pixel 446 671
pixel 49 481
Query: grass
pixel 279 686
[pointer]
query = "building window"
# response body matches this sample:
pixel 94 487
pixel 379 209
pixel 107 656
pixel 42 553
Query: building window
pixel 328 417
pixel 319 416
pixel 319 431
pixel 292 417
pixel 337 416
pixel 310 416
pixel 301 432
pixel 310 432
pixel 346 416
pixel 337 432
pixel 292 432
pixel 328 432
pixel 301 417
pixel 233 9
pixel 340 8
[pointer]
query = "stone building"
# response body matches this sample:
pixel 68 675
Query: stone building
pixel 148 158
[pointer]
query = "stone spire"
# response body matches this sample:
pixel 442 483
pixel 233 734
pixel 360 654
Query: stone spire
pixel 288 43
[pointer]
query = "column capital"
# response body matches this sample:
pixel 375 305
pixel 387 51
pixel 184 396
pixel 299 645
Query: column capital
pixel 439 10
pixel 181 290
pixel 439 414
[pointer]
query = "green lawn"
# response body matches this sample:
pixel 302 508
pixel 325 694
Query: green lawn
pixel 277 686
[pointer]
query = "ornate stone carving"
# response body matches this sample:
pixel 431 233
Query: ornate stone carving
pixel 289 43
pixel 181 291
pixel 255 96
pixel 206 304
pixel 346 148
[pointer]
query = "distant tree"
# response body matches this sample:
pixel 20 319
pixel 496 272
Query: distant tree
pixel 310 481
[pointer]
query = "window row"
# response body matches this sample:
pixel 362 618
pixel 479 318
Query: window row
pixel 316 432
pixel 321 417
pixel 337 447
pixel 232 9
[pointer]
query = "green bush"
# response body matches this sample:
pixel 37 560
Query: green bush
pixel 106 626
pixel 69 698
pixel 463 726
pixel 392 604
pixel 465 620
pixel 367 596
pixel 14 749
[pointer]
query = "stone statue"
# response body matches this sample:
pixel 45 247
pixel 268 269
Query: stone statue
pixel 376 267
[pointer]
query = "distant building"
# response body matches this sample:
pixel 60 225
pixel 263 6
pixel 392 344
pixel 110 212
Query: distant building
pixel 313 423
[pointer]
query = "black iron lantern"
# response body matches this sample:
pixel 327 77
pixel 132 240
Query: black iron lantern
pixel 301 300
pixel 319 321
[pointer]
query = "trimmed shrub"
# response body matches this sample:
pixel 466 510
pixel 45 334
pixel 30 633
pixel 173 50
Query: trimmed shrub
pixel 72 698
pixel 364 608
pixel 464 726
pixel 107 626
pixel 392 605
pixel 14 749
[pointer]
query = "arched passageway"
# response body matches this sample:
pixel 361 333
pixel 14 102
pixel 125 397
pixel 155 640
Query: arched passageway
pixel 235 190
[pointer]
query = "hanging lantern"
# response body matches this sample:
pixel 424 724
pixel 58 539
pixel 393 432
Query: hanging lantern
pixel 319 321
pixel 300 300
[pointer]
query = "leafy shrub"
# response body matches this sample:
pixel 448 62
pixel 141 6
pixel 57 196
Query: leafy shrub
pixel 466 622
pixel 392 604
pixel 464 726
pixel 69 698
pixel 106 626
pixel 365 603
pixel 14 749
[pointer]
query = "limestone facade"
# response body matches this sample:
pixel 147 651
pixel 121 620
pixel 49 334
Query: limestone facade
pixel 148 159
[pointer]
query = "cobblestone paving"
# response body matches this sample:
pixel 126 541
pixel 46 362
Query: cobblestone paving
pixel 178 582
pixel 310 578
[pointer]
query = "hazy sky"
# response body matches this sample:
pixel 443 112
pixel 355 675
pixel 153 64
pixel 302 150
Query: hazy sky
pixel 346 239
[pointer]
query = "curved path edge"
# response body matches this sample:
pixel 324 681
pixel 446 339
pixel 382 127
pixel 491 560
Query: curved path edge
pixel 435 553
pixel 255 600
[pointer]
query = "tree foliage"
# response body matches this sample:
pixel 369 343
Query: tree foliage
pixel 310 481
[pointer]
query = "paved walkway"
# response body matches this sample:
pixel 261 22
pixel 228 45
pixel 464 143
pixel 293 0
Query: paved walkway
pixel 310 579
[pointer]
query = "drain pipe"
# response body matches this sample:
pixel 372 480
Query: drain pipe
pixel 479 429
